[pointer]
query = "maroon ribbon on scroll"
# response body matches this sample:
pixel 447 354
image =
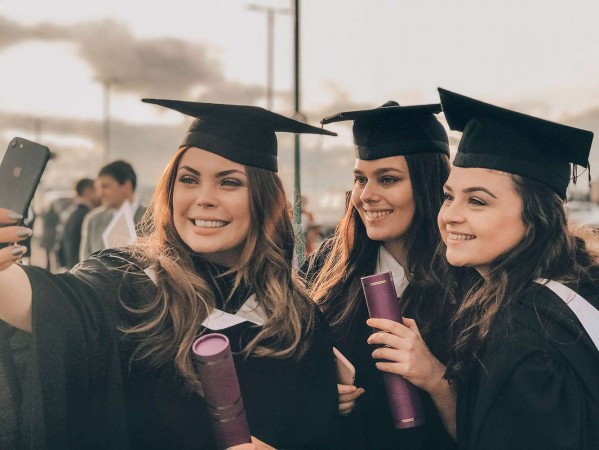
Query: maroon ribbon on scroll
pixel 404 400
pixel 216 370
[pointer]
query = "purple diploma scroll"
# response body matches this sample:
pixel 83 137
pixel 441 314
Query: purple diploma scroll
pixel 403 396
pixel 216 370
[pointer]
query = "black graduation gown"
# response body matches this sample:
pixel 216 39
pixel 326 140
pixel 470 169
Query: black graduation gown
pixel 83 394
pixel 370 424
pixel 539 388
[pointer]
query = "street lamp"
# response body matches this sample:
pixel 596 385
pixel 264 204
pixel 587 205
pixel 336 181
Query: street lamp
pixel 270 21
pixel 297 201
pixel 106 93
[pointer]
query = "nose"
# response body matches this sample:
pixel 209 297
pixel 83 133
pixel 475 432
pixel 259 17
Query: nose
pixel 369 193
pixel 451 213
pixel 206 197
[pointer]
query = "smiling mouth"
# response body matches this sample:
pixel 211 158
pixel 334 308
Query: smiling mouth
pixel 209 223
pixel 460 237
pixel 377 214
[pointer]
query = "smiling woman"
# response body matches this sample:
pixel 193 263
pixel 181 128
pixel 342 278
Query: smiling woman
pixel 390 225
pixel 480 218
pixel 525 358
pixel 112 339
pixel 211 205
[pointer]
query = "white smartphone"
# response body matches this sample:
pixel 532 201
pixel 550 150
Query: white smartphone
pixel 346 372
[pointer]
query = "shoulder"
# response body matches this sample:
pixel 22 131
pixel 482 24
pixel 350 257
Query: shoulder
pixel 538 331
pixel 97 214
pixel 119 262
pixel 314 263
pixel 542 311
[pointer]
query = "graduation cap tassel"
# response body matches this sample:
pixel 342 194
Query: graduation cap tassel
pixel 574 173
pixel 589 169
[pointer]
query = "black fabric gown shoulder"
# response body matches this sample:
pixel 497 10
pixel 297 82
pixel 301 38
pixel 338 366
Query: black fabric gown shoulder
pixel 370 425
pixel 538 387
pixel 83 393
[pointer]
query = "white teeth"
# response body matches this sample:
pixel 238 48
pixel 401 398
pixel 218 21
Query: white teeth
pixel 460 237
pixel 377 214
pixel 209 223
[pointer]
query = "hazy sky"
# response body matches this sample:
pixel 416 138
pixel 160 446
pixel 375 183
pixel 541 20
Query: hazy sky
pixel 539 56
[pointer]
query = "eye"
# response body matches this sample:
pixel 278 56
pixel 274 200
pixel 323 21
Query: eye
pixel 476 201
pixel 187 179
pixel 230 182
pixel 447 197
pixel 388 180
pixel 360 180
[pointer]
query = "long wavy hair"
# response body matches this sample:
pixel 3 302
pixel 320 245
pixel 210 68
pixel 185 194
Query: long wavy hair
pixel 352 254
pixel 171 321
pixel 547 250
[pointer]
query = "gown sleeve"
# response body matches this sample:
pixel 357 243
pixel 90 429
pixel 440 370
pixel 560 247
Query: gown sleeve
pixel 74 396
pixel 540 404
pixel 538 387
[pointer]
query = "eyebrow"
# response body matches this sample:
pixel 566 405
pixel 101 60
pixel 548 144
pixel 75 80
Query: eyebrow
pixel 224 173
pixel 381 171
pixel 472 189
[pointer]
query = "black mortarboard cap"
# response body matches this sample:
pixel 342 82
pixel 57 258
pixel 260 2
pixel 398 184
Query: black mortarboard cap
pixel 393 130
pixel 244 134
pixel 506 140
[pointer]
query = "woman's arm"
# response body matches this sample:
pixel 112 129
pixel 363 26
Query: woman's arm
pixel 15 288
pixel 407 354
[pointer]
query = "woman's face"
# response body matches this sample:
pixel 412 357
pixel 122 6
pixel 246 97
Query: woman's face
pixel 211 205
pixel 481 217
pixel 382 195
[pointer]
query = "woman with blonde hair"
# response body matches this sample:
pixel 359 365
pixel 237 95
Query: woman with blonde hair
pixel 111 365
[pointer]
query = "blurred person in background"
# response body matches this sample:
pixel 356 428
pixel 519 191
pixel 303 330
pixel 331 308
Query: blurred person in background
pixel 116 183
pixel 308 225
pixel 50 221
pixel 85 201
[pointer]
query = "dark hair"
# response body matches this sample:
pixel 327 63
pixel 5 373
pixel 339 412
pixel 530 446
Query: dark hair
pixel 547 250
pixel 121 171
pixel 83 184
pixel 352 254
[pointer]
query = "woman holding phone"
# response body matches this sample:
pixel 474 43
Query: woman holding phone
pixel 525 358
pixel 390 225
pixel 111 365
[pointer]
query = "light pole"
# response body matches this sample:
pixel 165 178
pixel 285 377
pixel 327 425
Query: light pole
pixel 297 203
pixel 270 46
pixel 107 83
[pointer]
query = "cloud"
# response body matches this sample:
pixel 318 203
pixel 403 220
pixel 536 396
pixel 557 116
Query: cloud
pixel 159 67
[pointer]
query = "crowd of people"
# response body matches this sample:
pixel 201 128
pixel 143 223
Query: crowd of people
pixel 500 299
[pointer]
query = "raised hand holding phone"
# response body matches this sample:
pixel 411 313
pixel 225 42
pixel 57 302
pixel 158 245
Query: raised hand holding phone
pixel 20 173
pixel 11 233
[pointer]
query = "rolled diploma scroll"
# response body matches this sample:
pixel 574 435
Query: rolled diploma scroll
pixel 216 370
pixel 403 396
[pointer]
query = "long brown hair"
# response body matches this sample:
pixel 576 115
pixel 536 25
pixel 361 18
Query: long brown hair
pixel 351 254
pixel 547 250
pixel 171 321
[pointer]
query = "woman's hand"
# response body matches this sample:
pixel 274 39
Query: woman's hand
pixel 406 353
pixel 11 234
pixel 348 394
pixel 256 444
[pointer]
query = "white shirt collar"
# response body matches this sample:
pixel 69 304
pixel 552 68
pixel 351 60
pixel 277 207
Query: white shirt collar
pixel 385 262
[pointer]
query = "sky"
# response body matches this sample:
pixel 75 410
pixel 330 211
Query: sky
pixel 537 56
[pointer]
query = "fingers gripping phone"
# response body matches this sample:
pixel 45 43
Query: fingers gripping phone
pixel 20 173
pixel 346 372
